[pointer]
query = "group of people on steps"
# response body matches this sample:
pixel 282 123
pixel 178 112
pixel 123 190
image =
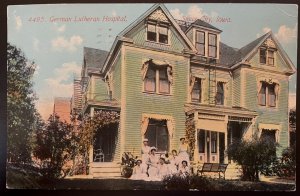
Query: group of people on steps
pixel 154 167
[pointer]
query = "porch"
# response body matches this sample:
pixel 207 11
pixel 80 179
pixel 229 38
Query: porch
pixel 216 127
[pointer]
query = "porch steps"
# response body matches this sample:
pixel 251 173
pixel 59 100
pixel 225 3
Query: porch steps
pixel 105 170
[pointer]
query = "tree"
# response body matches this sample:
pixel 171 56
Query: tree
pixel 53 146
pixel 255 156
pixel 21 111
pixel 292 123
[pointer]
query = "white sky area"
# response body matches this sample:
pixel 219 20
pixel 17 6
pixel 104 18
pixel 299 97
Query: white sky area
pixel 56 46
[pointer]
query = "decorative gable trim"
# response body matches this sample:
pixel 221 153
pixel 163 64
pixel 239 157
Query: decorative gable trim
pixel 159 16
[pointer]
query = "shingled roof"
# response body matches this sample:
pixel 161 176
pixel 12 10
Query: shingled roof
pixel 230 56
pixel 94 57
pixel 204 24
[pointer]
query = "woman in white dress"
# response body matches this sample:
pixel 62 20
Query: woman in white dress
pixel 145 153
pixel 183 152
pixel 152 164
pixel 184 169
pixel 139 173
pixel 163 169
pixel 173 166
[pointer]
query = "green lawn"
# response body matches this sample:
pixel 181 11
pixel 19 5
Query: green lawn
pixel 18 179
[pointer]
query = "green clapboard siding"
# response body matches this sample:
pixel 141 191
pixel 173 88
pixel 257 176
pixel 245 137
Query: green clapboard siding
pixel 278 115
pixel 279 64
pixel 100 91
pixel 138 102
pixel 116 79
pixel 236 89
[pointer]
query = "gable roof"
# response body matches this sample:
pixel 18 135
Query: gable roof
pixel 247 51
pixel 94 57
pixel 169 16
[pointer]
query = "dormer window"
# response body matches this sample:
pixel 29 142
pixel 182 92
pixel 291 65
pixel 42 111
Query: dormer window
pixel 200 42
pixel 157 33
pixel 266 56
pixel 212 45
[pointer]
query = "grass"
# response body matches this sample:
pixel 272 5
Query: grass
pixel 21 179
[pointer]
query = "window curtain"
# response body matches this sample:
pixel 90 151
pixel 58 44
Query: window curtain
pixel 259 86
pixel 192 82
pixel 170 127
pixel 145 69
pixel 170 74
pixel 144 125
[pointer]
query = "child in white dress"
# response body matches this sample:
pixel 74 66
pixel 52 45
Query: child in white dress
pixel 184 169
pixel 163 169
pixel 173 166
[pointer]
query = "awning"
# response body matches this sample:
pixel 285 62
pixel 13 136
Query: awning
pixel 262 126
pixel 212 125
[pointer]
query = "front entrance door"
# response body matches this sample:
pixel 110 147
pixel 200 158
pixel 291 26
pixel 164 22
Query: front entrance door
pixel 105 139
pixel 211 145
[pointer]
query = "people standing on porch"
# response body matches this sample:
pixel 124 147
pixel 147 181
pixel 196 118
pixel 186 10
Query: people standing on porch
pixel 183 151
pixel 173 166
pixel 145 153
pixel 184 169
pixel 139 172
pixel 162 168
pixel 152 164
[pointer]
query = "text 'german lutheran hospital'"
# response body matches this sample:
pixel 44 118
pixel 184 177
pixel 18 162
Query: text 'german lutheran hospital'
pixel 170 79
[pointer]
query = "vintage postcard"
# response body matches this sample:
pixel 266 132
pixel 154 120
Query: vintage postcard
pixel 185 96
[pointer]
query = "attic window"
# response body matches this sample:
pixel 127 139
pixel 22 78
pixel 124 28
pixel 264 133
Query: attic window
pixel 212 45
pixel 266 56
pixel 157 33
pixel 200 42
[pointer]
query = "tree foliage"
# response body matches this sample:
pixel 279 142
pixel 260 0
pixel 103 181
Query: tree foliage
pixel 21 112
pixel 255 156
pixel 53 146
pixel 88 127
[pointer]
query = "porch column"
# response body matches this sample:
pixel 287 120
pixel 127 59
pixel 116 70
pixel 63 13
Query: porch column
pixel 196 151
pixel 225 138
pixel 91 151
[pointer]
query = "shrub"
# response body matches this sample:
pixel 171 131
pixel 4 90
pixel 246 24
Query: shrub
pixel 286 166
pixel 177 182
pixel 255 156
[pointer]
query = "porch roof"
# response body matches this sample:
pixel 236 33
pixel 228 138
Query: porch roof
pixel 104 104
pixel 216 109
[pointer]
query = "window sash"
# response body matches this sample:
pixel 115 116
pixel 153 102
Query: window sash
pixel 212 39
pixel 220 93
pixel 272 96
pixel 162 30
pixel 150 80
pixel 196 91
pixel 200 37
pixel 151 28
pixel 262 95
pixel 214 142
pixel 263 56
pixel 212 51
pixel 158 136
pixel 164 84
pixel 201 141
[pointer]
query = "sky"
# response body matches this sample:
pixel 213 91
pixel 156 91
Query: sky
pixel 53 36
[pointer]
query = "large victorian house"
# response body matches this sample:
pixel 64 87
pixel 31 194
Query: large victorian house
pixel 162 73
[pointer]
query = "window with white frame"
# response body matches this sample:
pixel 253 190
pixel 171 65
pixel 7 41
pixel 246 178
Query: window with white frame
pixel 158 33
pixel 220 94
pixel 157 134
pixel 157 80
pixel 266 56
pixel 212 45
pixel 200 42
pixel 267 94
pixel 196 91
